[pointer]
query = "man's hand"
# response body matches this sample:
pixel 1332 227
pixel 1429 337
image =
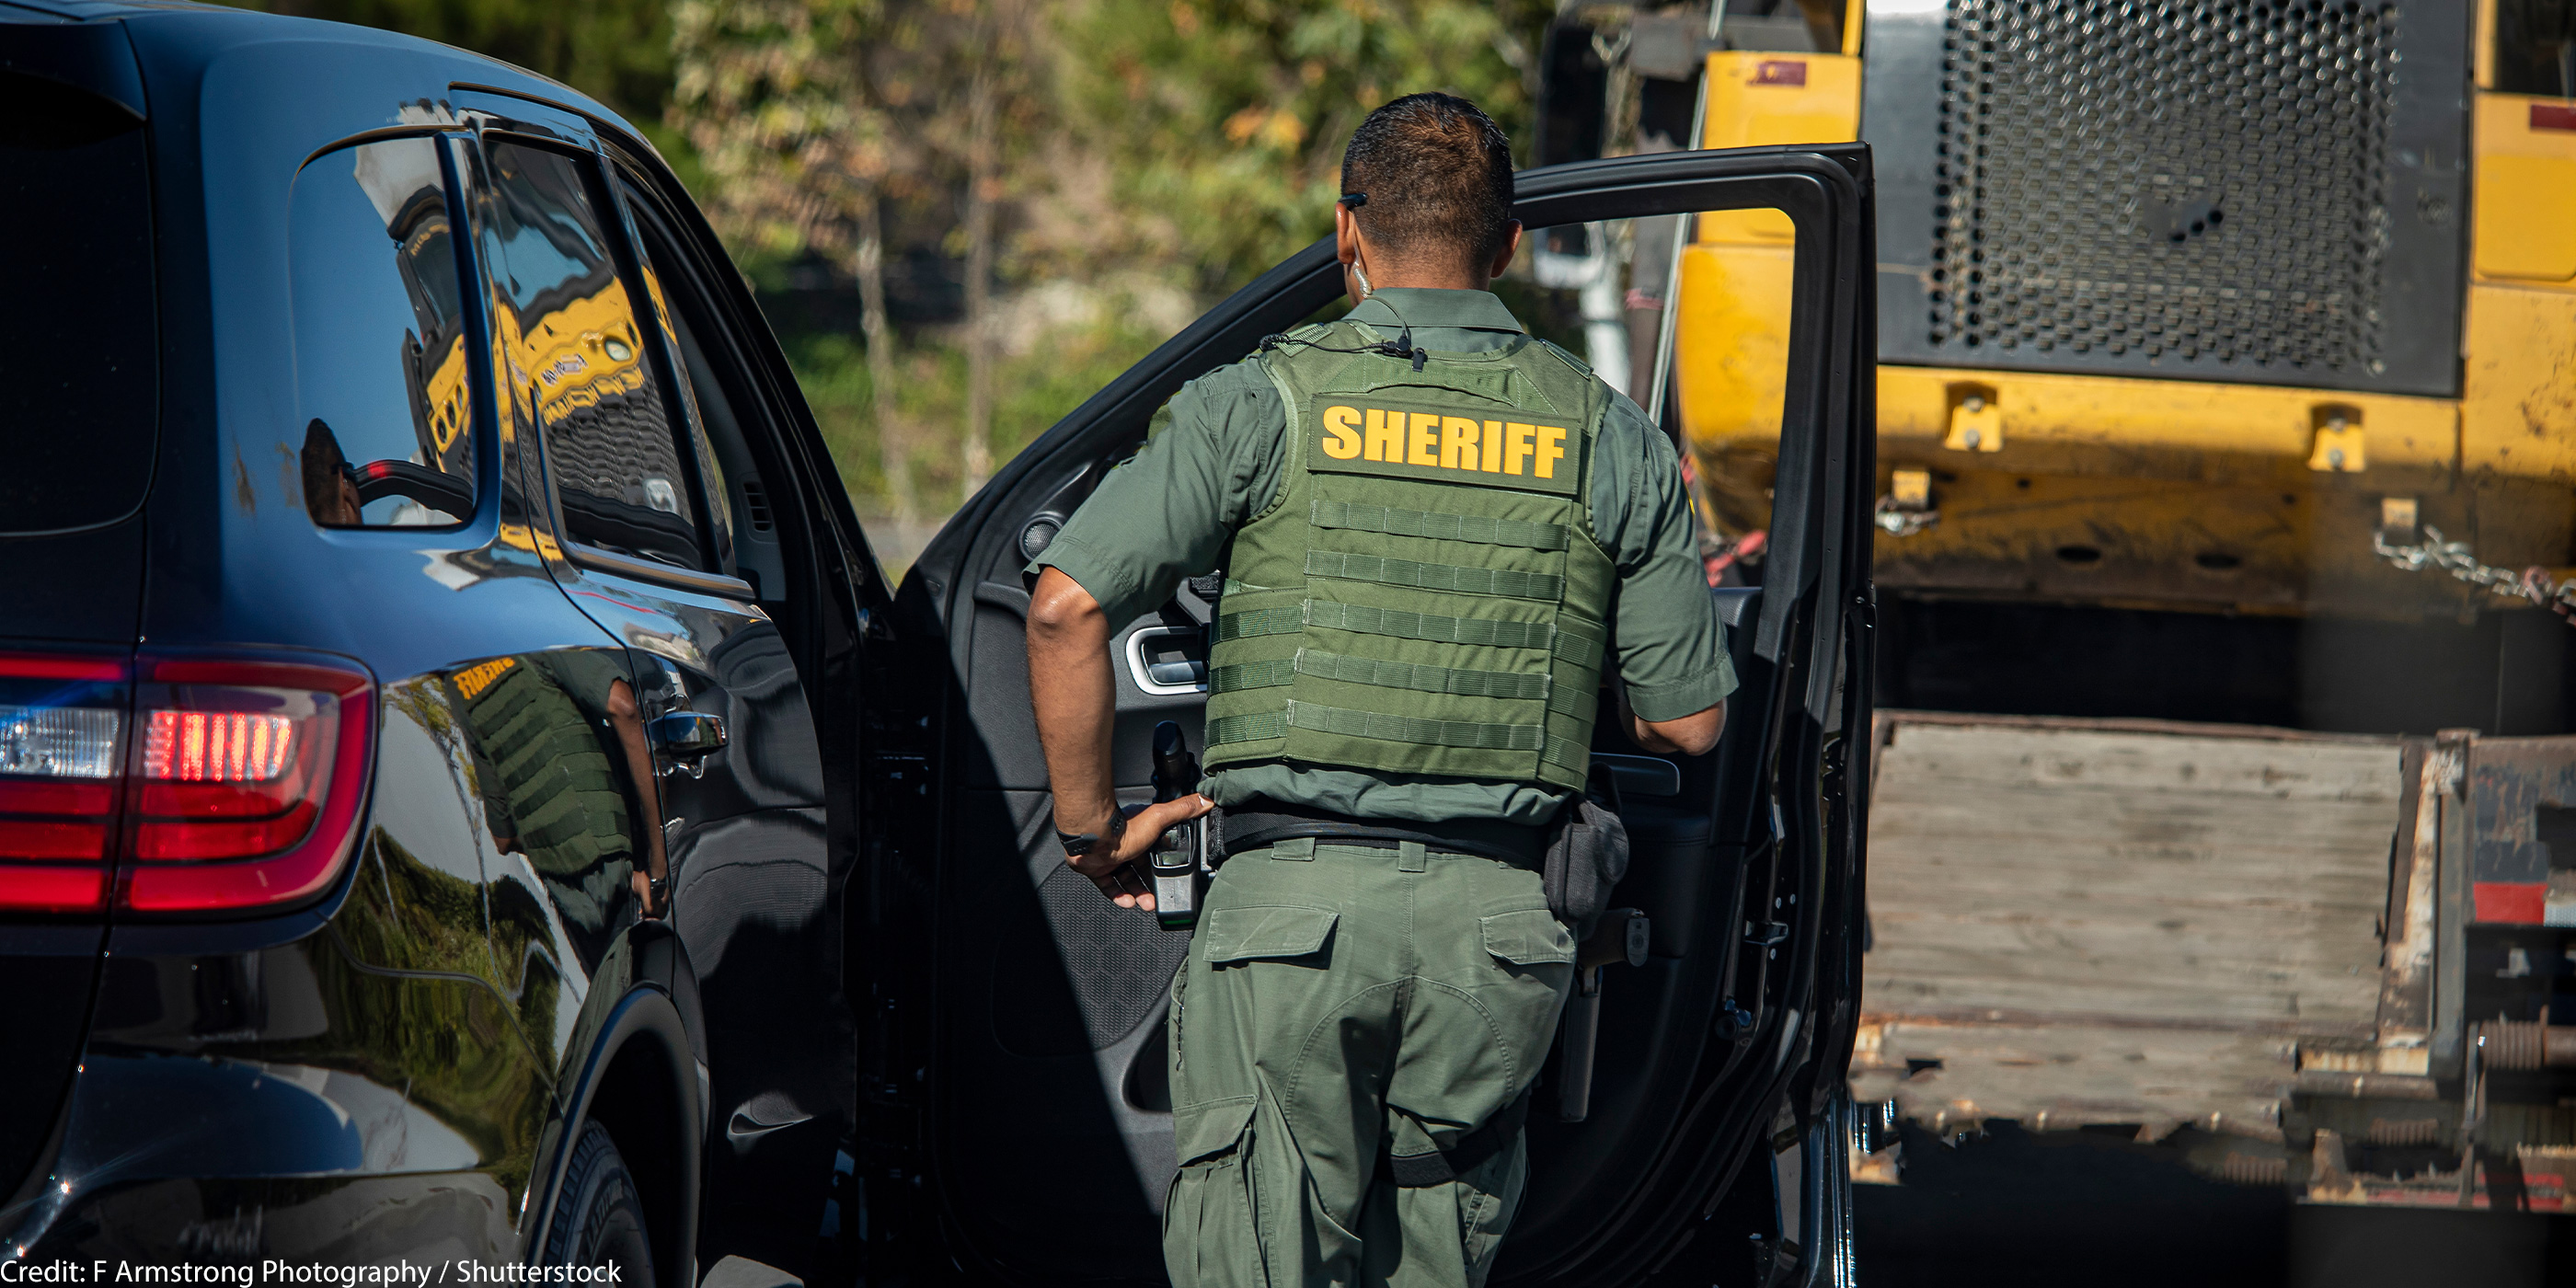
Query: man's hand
pixel 1075 700
pixel 1119 871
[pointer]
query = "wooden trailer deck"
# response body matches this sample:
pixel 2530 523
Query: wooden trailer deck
pixel 2118 922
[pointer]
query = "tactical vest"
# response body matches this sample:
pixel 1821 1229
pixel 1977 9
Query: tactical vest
pixel 544 772
pixel 1426 594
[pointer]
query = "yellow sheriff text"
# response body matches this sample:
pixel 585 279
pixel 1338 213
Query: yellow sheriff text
pixel 1441 442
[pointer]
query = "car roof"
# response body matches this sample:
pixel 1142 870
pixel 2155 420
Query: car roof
pixel 232 27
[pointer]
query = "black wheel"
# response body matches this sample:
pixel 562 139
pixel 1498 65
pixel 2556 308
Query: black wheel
pixel 599 1217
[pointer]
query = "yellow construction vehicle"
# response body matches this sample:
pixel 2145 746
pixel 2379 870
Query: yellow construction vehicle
pixel 2179 305
pixel 2226 459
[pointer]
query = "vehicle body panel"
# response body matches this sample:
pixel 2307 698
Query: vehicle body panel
pixel 2174 470
pixel 408 1051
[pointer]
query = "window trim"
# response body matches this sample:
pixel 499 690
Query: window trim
pixel 714 530
pixel 598 560
pixel 771 419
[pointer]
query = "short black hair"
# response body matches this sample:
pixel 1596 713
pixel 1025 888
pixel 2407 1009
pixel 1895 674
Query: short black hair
pixel 324 467
pixel 1438 175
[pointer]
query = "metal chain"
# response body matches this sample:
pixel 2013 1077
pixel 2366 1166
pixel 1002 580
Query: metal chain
pixel 1902 523
pixel 2453 557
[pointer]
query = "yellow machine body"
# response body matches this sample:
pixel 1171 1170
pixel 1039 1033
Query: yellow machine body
pixel 2189 495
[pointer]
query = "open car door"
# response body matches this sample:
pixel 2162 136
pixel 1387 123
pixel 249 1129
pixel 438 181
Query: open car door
pixel 1018 1116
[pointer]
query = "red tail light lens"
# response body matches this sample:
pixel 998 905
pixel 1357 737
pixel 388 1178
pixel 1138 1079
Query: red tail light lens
pixel 61 725
pixel 217 746
pixel 249 778
pixel 218 784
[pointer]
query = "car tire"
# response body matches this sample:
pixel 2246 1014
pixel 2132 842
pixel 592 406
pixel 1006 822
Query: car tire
pixel 599 1215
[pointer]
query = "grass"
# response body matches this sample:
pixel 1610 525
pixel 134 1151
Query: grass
pixel 1032 390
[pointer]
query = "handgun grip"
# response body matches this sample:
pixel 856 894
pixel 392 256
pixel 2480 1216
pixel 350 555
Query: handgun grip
pixel 1175 769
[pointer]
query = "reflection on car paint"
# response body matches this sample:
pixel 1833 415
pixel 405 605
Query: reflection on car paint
pixel 258 1118
pixel 406 1051
pixel 352 316
pixel 566 331
pixel 553 791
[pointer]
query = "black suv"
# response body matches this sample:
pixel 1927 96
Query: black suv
pixel 467 793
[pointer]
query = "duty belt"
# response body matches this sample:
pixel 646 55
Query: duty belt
pixel 1261 822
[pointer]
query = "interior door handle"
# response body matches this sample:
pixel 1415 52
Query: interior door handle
pixel 1173 678
pixel 687 736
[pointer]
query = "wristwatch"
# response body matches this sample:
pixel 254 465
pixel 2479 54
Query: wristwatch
pixel 1077 844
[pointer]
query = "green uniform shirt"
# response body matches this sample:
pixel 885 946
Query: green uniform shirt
pixel 1212 459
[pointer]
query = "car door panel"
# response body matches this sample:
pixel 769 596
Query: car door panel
pixel 768 838
pixel 636 524
pixel 1696 1048
pixel 1066 988
pixel 1000 702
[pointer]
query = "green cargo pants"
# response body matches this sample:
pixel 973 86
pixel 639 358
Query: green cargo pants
pixel 1348 1017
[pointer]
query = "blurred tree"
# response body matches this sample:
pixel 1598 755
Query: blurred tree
pixel 800 152
pixel 617 51
pixel 1224 120
pixel 996 56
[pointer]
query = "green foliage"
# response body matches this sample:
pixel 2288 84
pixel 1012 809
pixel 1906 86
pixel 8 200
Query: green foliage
pixel 771 94
pixel 833 372
pixel 1033 391
pixel 1224 120
pixel 617 51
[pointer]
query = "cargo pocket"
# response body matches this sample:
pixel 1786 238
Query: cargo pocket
pixel 1212 1218
pixel 1530 937
pixel 1260 933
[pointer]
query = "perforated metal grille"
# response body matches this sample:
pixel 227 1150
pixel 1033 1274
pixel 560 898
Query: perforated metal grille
pixel 2201 182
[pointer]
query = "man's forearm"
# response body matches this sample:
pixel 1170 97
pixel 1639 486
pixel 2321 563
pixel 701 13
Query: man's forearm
pixel 1075 699
pixel 628 720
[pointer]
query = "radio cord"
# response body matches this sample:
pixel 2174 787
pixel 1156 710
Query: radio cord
pixel 1400 347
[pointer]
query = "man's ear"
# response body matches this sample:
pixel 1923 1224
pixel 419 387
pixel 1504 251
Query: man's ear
pixel 1511 250
pixel 1346 247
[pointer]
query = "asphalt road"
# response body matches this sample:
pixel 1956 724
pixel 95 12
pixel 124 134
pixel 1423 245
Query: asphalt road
pixel 2066 1209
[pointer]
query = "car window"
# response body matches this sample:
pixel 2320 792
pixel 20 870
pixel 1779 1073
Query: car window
pixel 701 406
pixel 568 323
pixel 77 329
pixel 679 301
pixel 380 358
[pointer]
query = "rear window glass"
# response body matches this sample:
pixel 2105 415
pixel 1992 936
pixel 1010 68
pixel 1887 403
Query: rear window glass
pixel 380 371
pixel 79 386
pixel 571 325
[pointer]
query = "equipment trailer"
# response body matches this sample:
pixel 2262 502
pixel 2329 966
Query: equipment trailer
pixel 2319 960
pixel 2211 337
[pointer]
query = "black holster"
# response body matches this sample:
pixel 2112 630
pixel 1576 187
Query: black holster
pixel 1587 853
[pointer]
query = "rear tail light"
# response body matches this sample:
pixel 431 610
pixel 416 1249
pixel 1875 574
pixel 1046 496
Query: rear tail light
pixel 249 776
pixel 239 789
pixel 61 721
